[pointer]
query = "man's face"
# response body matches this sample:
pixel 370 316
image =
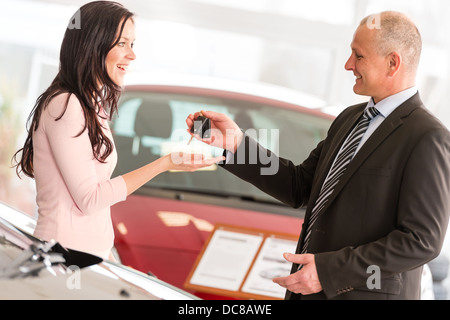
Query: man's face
pixel 370 69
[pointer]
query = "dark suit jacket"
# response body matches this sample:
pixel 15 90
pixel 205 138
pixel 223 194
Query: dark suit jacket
pixel 389 210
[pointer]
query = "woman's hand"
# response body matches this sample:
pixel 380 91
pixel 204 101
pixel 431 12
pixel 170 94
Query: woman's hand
pixel 189 162
pixel 175 161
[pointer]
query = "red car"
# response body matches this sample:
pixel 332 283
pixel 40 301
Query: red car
pixel 162 228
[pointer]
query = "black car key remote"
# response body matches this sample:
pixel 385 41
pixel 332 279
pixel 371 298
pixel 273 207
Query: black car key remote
pixel 201 127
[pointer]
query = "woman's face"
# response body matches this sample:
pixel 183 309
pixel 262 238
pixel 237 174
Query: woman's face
pixel 119 57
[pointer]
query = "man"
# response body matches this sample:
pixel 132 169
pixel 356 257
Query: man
pixel 377 189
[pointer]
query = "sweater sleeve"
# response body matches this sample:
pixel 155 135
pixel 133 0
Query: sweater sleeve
pixel 87 180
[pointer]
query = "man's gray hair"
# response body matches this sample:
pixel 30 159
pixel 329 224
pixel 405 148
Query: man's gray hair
pixel 396 32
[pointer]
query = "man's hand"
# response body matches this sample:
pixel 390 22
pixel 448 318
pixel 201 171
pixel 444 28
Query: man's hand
pixel 225 133
pixel 306 281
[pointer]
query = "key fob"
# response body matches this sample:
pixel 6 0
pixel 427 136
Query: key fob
pixel 201 127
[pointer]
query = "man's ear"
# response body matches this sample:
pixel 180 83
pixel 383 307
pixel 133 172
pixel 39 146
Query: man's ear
pixel 395 61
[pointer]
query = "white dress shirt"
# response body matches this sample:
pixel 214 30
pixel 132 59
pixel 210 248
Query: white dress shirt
pixel 385 107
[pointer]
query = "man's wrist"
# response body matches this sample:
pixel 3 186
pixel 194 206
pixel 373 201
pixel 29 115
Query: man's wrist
pixel 238 140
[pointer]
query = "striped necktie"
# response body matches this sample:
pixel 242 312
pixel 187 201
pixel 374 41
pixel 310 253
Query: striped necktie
pixel 343 158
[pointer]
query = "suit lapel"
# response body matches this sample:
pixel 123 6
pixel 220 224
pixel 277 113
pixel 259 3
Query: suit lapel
pixel 389 125
pixel 341 135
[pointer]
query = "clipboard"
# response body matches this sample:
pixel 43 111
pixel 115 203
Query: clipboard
pixel 241 263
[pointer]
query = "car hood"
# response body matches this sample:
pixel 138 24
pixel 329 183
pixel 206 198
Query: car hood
pixel 33 269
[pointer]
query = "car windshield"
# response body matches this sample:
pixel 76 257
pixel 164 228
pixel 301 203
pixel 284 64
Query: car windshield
pixel 152 124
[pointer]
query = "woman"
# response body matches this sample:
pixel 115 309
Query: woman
pixel 69 150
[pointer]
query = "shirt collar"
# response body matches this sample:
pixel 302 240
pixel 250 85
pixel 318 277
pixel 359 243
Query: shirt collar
pixel 391 103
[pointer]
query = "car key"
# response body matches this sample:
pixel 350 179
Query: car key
pixel 201 127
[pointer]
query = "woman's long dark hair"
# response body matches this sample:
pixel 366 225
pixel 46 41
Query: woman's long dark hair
pixel 91 34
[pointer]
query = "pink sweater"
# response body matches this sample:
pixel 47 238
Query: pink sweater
pixel 74 190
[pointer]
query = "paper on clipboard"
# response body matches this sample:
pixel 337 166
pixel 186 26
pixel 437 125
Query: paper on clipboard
pixel 268 265
pixel 227 259
pixel 241 262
